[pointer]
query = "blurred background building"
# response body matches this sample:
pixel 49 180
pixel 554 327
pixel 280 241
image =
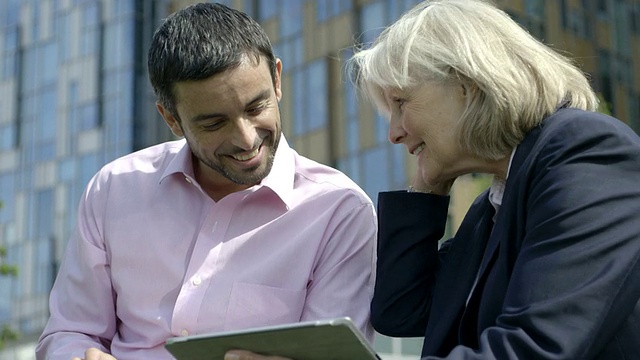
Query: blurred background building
pixel 74 95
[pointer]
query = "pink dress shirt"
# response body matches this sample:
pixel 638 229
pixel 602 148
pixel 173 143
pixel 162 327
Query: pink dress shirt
pixel 153 257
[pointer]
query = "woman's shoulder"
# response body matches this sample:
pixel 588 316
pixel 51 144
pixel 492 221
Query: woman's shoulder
pixel 583 122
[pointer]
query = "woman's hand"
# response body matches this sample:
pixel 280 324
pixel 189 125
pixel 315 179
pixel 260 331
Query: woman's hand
pixel 247 355
pixel 443 188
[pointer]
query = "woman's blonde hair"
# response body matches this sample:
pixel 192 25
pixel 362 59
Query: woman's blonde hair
pixel 512 80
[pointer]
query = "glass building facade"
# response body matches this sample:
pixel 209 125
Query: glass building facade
pixel 74 95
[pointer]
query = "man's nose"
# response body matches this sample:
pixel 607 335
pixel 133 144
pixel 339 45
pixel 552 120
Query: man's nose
pixel 245 134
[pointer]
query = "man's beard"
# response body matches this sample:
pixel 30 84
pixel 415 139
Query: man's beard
pixel 248 176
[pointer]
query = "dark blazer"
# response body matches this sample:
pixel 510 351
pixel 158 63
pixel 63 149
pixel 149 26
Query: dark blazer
pixel 558 273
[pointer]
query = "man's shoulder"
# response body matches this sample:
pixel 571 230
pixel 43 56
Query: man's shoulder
pixel 146 164
pixel 152 157
pixel 327 178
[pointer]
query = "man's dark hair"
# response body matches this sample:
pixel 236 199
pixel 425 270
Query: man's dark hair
pixel 200 41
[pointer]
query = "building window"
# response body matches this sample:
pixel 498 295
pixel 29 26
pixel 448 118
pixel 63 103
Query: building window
pixel 267 9
pixel 327 9
pixel 290 20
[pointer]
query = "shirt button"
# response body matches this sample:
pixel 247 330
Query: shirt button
pixel 196 281
pixel 188 180
pixel 184 332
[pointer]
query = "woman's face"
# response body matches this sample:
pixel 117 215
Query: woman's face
pixel 424 119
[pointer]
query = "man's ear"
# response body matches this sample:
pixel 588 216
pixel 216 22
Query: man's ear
pixel 276 80
pixel 172 122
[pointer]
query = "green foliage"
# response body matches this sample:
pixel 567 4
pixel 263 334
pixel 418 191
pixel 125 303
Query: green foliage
pixel 6 332
pixel 604 107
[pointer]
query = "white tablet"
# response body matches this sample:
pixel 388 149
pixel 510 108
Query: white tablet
pixel 333 339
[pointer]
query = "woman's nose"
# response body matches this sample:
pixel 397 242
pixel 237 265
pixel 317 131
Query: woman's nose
pixel 396 132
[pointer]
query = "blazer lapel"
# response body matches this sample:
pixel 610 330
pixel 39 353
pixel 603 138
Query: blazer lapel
pixel 459 269
pixel 525 149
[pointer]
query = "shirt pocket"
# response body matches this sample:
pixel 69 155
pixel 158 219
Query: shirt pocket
pixel 254 305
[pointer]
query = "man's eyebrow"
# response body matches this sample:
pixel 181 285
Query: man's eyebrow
pixel 207 116
pixel 204 117
pixel 261 96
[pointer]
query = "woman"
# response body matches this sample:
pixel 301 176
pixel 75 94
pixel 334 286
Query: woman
pixel 546 263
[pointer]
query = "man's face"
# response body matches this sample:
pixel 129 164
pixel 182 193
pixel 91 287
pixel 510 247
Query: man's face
pixel 231 122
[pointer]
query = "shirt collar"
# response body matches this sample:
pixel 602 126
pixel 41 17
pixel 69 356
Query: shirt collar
pixel 280 179
pixel 496 191
pixel 181 163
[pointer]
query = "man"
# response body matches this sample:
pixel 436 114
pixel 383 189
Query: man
pixel 229 228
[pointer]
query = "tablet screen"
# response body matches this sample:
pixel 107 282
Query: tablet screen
pixel 334 339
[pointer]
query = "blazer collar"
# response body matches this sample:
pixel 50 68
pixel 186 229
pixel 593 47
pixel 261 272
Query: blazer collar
pixel 459 269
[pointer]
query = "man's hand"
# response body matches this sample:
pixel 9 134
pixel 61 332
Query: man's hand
pixel 247 355
pixel 96 354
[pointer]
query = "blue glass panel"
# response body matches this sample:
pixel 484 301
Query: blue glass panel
pixel 297 51
pixel 344 5
pixel 46 150
pixel 8 66
pixel 47 110
pixel 355 172
pixel 382 129
pixel 36 21
pixel 373 21
pixel 298 97
pixel 48 66
pixel 89 165
pixel 267 9
pixel 278 52
pixel 66 170
pixel 290 17
pixel 43 272
pixel 44 213
pixel 126 37
pixel 63 37
pixel 29 69
pixel 6 284
pixel 89 116
pixel 14 256
pixel 322 10
pixel 398 171
pixel 7 192
pixel 317 102
pixel 10 12
pixel 111 46
pixel 90 14
pixel 109 111
pixel 285 53
pixel 353 136
pixel 89 42
pixel 376 171
pixel 126 103
pixel 350 166
pixel 8 137
pixel 124 7
pixel 10 39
